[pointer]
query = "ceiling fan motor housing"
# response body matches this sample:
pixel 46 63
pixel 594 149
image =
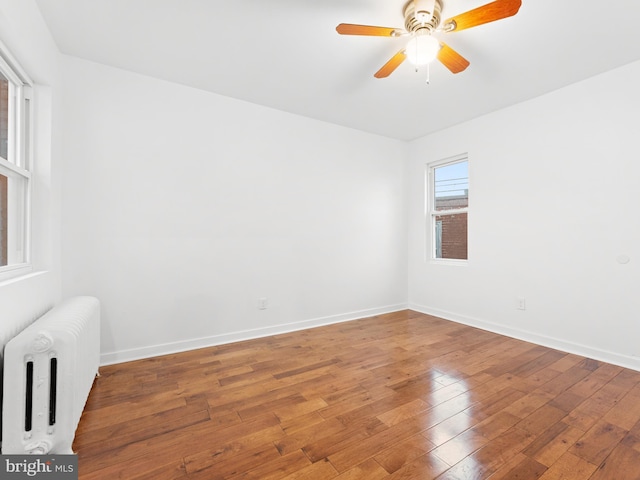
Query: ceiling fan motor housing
pixel 421 21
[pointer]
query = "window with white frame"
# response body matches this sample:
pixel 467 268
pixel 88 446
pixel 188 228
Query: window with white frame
pixel 15 175
pixel 448 205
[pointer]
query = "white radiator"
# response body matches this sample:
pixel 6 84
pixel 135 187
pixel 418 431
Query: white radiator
pixel 49 369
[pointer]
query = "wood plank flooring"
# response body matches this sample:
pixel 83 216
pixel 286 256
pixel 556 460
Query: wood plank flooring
pixel 397 396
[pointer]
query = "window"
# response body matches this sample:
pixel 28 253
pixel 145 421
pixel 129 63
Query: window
pixel 448 203
pixel 15 126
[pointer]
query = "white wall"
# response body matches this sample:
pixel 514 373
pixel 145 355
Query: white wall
pixel 23 299
pixel 554 192
pixel 182 208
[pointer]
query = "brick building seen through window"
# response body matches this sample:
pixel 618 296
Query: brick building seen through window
pixel 451 230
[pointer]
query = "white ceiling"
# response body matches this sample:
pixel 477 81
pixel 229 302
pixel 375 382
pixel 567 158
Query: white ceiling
pixel 287 55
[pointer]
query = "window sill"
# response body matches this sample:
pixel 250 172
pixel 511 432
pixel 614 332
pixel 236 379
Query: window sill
pixel 449 261
pixel 14 273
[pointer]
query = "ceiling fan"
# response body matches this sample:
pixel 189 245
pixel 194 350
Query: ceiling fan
pixel 422 18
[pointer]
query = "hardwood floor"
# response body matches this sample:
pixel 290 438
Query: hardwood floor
pixel 398 396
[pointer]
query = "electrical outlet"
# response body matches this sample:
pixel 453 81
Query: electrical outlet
pixel 522 305
pixel 263 303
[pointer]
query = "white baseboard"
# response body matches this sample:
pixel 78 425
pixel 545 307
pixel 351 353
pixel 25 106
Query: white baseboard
pixel 185 345
pixel 625 361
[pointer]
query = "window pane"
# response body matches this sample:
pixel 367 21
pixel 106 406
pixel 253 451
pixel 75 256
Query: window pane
pixel 451 186
pixel 451 236
pixel 4 197
pixel 15 125
pixel 12 219
pixel 4 117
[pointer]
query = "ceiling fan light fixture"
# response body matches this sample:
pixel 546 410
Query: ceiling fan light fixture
pixel 422 49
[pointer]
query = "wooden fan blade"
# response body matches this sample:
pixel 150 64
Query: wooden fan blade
pixel 484 14
pixel 452 59
pixel 388 68
pixel 351 29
